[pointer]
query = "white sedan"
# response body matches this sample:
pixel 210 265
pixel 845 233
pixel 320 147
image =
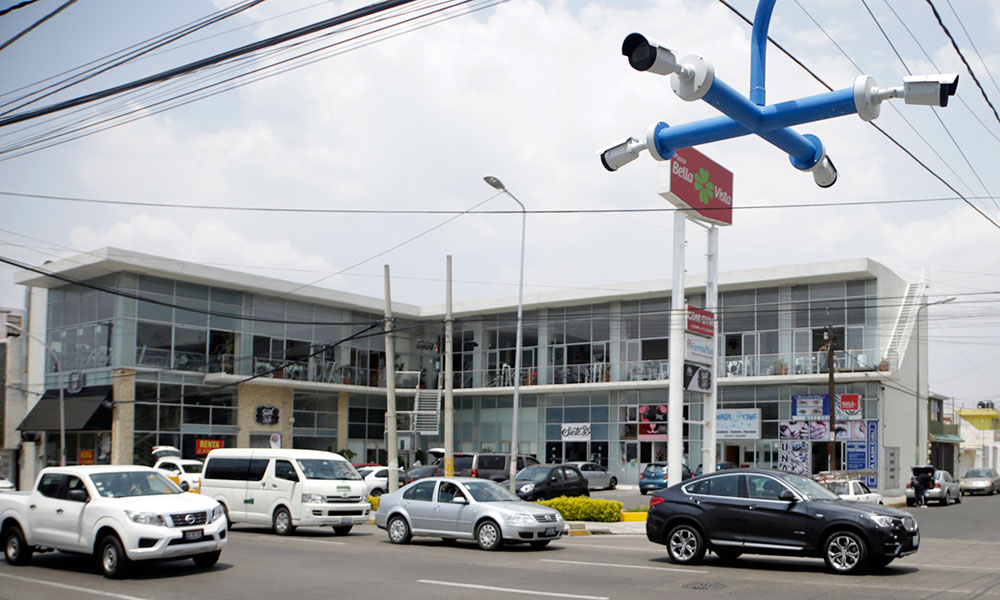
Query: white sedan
pixel 855 490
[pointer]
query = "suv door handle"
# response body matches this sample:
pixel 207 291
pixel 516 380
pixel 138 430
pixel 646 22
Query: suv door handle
pixel 752 507
pixel 32 506
pixel 59 511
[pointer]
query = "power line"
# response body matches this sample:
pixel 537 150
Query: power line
pixel 974 47
pixel 958 50
pixel 16 6
pixel 31 27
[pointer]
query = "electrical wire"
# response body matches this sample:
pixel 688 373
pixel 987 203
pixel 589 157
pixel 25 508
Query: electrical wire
pixel 31 27
pixel 974 47
pixel 16 6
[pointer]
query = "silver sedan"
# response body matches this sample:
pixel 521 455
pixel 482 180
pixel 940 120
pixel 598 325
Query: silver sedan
pixel 980 481
pixel 454 508
pixel 597 476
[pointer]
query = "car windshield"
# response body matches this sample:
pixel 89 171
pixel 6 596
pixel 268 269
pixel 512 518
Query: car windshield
pixel 656 468
pixel 808 488
pixel 192 468
pixel 321 468
pixel 365 471
pixel 533 473
pixel 489 491
pixel 978 473
pixel 133 483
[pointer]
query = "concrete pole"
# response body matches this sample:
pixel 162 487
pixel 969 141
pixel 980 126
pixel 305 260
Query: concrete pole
pixel 832 461
pixel 708 441
pixel 449 392
pixel 675 406
pixel 390 391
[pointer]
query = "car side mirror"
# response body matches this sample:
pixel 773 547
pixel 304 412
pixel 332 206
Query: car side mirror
pixel 459 500
pixel 77 495
pixel 787 496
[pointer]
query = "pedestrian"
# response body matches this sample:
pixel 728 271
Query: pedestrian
pixel 918 491
pixel 925 482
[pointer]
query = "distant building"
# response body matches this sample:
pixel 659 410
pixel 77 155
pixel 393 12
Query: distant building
pixel 169 360
pixel 980 432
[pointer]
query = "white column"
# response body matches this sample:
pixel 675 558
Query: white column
pixel 708 442
pixel 675 406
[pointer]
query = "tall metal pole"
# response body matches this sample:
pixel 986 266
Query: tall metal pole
pixel 675 406
pixel 449 392
pixel 498 185
pixel 832 461
pixel 916 393
pixel 390 391
pixel 708 449
pixel 62 399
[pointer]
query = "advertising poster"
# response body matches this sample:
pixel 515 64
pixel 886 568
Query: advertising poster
pixel 737 424
pixel 816 407
pixel 872 453
pixel 652 422
pixel 697 378
pixel 575 432
pixel 795 456
pixel 804 430
pixel 857 455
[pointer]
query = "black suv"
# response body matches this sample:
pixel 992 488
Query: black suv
pixel 771 512
pixel 544 482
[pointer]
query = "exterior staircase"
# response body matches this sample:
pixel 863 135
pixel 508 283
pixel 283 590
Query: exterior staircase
pixel 904 323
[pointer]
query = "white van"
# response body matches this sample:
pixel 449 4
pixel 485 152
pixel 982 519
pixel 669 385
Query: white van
pixel 286 488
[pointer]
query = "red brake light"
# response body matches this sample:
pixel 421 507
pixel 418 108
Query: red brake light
pixel 937 486
pixel 475 472
pixel 908 486
pixel 654 500
pixel 642 475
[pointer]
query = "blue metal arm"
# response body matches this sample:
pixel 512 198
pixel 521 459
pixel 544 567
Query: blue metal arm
pixel 758 50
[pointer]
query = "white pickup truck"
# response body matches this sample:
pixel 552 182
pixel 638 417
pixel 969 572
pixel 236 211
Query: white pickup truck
pixel 119 514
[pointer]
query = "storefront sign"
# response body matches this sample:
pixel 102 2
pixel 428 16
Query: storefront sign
pixel 700 321
pixel 266 415
pixel 795 456
pixel 698 182
pixel 697 378
pixel 816 407
pixel 698 350
pixel 819 431
pixel 84 457
pixel 576 432
pixel 857 455
pixel 204 446
pixel 652 422
pixel 737 424
pixel 872 451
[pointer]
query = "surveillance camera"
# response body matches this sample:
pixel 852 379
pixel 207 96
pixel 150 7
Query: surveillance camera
pixel 646 55
pixel 621 154
pixel 930 90
pixel 824 173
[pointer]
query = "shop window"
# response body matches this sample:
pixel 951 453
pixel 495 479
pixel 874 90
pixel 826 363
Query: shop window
pixel 152 344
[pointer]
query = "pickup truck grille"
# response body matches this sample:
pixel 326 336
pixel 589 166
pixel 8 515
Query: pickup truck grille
pixel 551 518
pixel 188 519
pixel 343 500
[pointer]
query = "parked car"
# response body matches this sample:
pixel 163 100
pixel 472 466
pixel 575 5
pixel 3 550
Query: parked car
pixel 377 479
pixel 496 465
pixel 543 482
pixel 980 481
pixel 761 511
pixel 465 508
pixel 945 489
pixel 854 490
pixel 654 477
pixel 462 465
pixel 422 472
pixel 185 472
pixel 6 485
pixel 120 514
pixel 719 466
pixel 597 476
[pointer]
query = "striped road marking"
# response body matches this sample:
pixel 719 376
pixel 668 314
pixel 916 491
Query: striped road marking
pixel 473 586
pixel 74 588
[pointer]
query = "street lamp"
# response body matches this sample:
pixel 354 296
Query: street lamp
pixel 916 456
pixel 498 185
pixel 62 403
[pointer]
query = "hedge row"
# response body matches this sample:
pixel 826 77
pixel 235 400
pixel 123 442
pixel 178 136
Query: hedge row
pixel 580 508
pixel 373 500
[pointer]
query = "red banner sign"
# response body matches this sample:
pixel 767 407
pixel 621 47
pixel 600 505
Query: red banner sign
pixel 203 446
pixel 700 183
pixel 850 401
pixel 84 457
pixel 700 321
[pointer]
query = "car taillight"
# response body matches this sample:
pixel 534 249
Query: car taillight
pixel 908 486
pixel 937 486
pixel 642 475
pixel 654 500
pixel 475 472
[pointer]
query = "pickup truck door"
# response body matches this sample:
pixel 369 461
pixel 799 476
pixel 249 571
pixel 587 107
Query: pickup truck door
pixel 43 507
pixel 68 519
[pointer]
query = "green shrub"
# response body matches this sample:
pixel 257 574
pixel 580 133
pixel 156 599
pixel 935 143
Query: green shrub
pixel 580 508
pixel 373 500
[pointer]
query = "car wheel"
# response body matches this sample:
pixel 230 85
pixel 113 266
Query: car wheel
pixel 844 552
pixel 111 556
pixel 282 521
pixel 184 486
pixel 342 529
pixel 15 549
pixel 946 500
pixel 642 492
pixel 399 530
pixel 586 493
pixel 958 499
pixel 728 555
pixel 376 492
pixel 539 544
pixel 229 523
pixel 685 545
pixel 612 484
pixel 207 559
pixel 488 535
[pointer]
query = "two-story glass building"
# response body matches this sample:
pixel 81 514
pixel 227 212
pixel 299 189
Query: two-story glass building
pixel 155 351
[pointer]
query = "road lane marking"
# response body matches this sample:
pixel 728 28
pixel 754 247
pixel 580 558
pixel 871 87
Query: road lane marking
pixel 74 588
pixel 948 567
pixel 621 566
pixel 269 538
pixel 491 588
pixel 603 547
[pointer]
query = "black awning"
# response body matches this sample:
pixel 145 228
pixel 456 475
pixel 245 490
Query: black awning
pixel 90 410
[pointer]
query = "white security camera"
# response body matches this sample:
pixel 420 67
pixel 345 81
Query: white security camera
pixel 930 90
pixel 646 55
pixel 824 173
pixel 618 155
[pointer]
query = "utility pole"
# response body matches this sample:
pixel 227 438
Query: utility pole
pixel 449 392
pixel 832 465
pixel 390 391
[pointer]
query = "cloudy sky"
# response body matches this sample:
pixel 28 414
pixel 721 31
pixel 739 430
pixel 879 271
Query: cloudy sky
pixel 413 117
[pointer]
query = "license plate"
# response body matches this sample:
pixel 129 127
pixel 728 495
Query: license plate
pixel 345 520
pixel 550 531
pixel 194 534
pixel 916 540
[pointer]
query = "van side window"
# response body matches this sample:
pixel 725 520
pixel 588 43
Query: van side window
pixel 50 484
pixel 257 468
pixel 423 491
pixel 284 470
pixel 228 468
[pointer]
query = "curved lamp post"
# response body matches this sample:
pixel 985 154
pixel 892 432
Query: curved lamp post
pixel 62 403
pixel 498 185
pixel 916 457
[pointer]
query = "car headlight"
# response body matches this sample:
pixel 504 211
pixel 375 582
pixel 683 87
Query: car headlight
pixel 146 518
pixel 520 518
pixel 217 513
pixel 524 489
pixel 313 499
pixel 882 520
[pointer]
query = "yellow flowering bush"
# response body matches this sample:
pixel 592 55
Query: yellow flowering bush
pixel 580 508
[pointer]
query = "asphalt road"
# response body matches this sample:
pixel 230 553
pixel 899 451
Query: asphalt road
pixel 959 558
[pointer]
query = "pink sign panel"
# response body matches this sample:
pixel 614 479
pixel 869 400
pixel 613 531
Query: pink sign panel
pixel 700 321
pixel 700 183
